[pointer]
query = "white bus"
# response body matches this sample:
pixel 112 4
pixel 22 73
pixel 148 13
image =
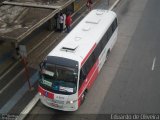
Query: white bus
pixel 71 67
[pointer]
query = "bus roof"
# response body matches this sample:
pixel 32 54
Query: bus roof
pixel 85 36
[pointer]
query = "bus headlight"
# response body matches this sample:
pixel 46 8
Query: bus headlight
pixel 40 93
pixel 71 102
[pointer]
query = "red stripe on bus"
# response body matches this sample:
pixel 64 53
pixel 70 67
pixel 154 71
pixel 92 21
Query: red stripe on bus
pixel 79 102
pixel 88 54
pixel 43 92
pixel 87 84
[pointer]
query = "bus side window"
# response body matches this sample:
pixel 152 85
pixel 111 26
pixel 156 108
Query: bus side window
pixel 114 25
pixel 109 32
pixel 82 78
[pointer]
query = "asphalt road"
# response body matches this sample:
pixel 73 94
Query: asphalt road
pixel 135 87
pixel 129 81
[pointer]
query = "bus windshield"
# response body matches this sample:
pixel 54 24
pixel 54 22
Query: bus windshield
pixel 59 79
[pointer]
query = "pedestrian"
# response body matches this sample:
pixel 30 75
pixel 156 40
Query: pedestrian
pixel 16 52
pixel 68 22
pixel 89 4
pixel 61 21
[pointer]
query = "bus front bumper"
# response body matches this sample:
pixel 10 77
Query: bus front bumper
pixel 64 107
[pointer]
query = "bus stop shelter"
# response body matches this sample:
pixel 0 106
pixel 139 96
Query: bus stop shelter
pixel 19 18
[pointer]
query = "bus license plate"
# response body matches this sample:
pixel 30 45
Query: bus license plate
pixel 55 105
pixel 52 103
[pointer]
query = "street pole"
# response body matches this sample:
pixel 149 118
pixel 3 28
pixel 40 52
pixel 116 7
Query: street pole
pixel 23 53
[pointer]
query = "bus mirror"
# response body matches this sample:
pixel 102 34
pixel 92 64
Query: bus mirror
pixel 41 65
pixel 82 75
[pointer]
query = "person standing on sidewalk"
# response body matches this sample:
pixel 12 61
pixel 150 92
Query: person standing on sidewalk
pixel 16 54
pixel 68 22
pixel 61 21
pixel 89 4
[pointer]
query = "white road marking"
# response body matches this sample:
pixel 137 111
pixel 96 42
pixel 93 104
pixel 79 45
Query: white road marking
pixel 29 107
pixel 18 95
pixel 114 5
pixel 11 68
pixel 153 65
pixel 6 86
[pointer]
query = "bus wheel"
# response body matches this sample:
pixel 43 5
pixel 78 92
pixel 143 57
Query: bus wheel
pixel 83 97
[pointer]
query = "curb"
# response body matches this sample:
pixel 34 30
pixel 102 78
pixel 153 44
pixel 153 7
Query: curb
pixel 114 5
pixel 28 108
pixel 34 101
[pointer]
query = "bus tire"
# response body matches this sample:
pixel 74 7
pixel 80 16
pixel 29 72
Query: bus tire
pixel 83 97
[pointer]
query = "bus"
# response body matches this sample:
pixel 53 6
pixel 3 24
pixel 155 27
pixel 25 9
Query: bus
pixel 69 70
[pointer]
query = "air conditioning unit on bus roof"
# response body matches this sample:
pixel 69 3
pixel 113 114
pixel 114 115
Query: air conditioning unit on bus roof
pixel 100 12
pixel 69 47
pixel 93 21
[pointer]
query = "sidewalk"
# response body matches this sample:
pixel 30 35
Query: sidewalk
pixel 16 104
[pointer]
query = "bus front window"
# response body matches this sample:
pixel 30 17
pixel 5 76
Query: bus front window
pixel 59 79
